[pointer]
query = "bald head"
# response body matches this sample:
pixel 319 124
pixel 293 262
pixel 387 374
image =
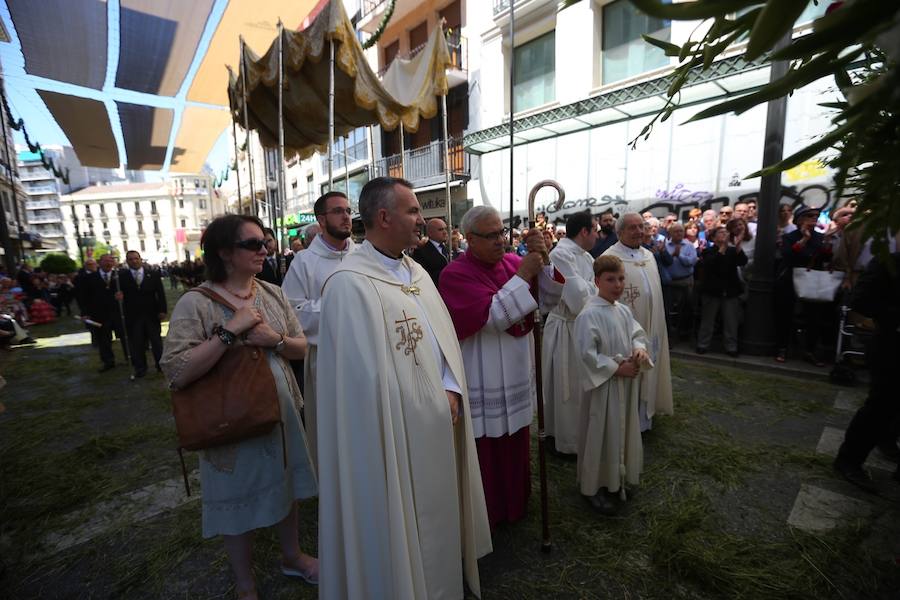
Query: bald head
pixel 436 230
pixel 676 232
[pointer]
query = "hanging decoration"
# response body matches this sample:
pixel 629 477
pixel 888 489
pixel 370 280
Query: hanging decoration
pixel 34 147
pixel 388 13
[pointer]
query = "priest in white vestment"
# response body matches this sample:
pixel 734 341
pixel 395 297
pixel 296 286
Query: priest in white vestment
pixel 613 353
pixel 303 287
pixel 401 507
pixel 562 376
pixel 488 294
pixel 643 295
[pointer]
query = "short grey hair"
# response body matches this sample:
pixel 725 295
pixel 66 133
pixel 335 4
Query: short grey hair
pixel 620 222
pixel 474 215
pixel 378 194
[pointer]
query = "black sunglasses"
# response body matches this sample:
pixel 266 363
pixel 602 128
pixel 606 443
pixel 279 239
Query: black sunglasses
pixel 252 244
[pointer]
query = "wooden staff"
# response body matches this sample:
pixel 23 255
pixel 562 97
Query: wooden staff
pixel 546 545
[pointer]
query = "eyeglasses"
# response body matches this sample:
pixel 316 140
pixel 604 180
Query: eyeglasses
pixel 252 244
pixel 338 211
pixel 491 237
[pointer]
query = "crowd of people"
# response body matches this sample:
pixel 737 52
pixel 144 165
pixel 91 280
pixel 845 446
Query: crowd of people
pixel 404 371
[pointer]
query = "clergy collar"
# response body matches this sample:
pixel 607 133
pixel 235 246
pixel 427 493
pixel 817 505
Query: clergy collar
pixel 603 301
pixel 632 252
pixel 570 244
pixel 396 259
pixel 344 248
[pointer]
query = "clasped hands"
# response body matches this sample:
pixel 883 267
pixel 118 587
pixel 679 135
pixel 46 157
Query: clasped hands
pixel 248 320
pixel 631 366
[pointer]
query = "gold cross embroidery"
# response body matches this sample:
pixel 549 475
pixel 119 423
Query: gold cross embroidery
pixel 410 289
pixel 410 335
pixel 631 294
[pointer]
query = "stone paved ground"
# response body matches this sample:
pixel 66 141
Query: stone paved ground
pixel 738 499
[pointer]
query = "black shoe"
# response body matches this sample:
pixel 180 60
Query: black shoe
pixel 701 350
pixel 890 451
pixel 603 504
pixel 855 475
pixel 106 367
pixel 732 353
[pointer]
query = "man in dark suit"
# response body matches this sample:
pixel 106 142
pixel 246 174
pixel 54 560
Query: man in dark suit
pixel 271 270
pixel 433 254
pixel 145 308
pixel 101 294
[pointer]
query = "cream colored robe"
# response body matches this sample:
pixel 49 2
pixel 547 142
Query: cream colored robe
pixel 303 287
pixel 559 357
pixel 401 506
pixel 643 295
pixel 610 453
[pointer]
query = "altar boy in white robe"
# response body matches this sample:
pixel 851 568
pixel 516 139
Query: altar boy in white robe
pixel 613 352
pixel 401 506
pixel 559 359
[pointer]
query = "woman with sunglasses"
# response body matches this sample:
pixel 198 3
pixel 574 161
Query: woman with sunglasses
pixel 246 485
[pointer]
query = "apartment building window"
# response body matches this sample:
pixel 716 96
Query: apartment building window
pixel 119 208
pixel 418 36
pixel 122 228
pixel 625 53
pixel 158 245
pixel 535 77
pixel 202 204
pixel 137 208
pixel 183 223
pixel 102 209
pixel 181 203
pixel 153 207
pixel 390 53
pixel 155 226
pixel 143 246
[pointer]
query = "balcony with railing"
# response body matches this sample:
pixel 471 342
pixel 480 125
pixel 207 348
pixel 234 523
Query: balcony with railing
pixel 37 190
pixel 371 12
pixel 36 204
pixel 355 153
pixel 425 165
pixel 502 6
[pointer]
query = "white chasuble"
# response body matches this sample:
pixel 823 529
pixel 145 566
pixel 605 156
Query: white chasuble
pixel 643 295
pixel 610 453
pixel 303 287
pixel 559 357
pixel 401 505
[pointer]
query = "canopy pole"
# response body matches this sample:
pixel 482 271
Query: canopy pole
pixel 402 153
pixel 447 247
pixel 237 162
pixel 512 113
pixel 253 207
pixel 282 188
pixel 331 115
pixel 346 168
pixel 372 174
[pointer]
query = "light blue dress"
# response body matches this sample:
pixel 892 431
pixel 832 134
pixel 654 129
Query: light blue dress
pixel 245 486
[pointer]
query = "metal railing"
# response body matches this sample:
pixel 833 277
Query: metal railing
pixel 425 165
pixel 370 6
pixel 356 152
pixel 457 45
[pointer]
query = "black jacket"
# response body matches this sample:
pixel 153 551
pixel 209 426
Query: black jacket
pixel 431 260
pixel 99 297
pixel 815 252
pixel 269 274
pixel 720 272
pixel 148 300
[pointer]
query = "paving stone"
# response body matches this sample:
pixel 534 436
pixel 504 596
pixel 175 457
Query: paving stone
pixel 816 510
pixel 849 401
pixel 122 511
pixel 831 440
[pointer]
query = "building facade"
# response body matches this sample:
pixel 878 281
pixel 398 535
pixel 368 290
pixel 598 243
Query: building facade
pixel 585 84
pixel 42 208
pixel 163 221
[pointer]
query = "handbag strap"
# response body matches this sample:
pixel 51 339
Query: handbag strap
pixel 214 296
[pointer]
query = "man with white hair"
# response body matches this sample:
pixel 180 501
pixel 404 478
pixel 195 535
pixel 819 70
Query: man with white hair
pixel 488 294
pixel 309 233
pixel 561 365
pixel 303 287
pixel 644 295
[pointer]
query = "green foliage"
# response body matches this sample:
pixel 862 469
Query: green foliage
pixel 858 36
pixel 58 264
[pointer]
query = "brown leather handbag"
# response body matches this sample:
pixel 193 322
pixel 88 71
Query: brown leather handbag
pixel 234 401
